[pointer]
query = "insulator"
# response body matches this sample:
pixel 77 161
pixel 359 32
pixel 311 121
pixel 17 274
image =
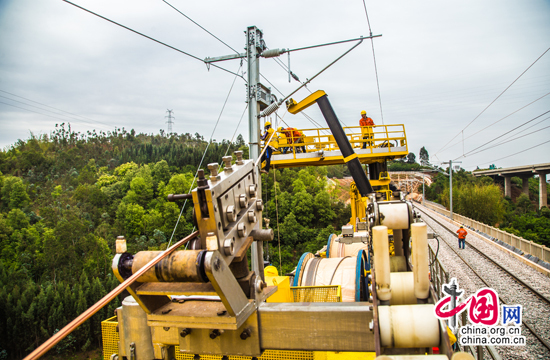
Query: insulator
pixel 270 109
pixel 273 53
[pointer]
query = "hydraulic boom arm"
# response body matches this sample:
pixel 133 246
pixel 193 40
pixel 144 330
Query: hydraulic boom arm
pixel 350 157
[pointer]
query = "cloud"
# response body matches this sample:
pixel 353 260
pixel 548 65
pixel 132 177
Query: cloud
pixel 439 65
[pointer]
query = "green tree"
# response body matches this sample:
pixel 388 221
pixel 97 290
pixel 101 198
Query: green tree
pixel 411 158
pixel 424 156
pixel 14 193
pixel 131 218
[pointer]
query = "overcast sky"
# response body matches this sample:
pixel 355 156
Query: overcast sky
pixel 440 64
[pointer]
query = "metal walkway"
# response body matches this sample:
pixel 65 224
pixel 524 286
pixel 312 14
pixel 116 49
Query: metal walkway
pixel 386 142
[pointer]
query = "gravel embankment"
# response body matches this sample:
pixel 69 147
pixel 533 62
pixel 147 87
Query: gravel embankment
pixel 536 312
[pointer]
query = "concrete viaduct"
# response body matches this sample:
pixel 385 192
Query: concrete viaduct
pixel 524 172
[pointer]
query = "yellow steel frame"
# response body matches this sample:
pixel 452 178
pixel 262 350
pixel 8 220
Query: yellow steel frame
pixel 321 142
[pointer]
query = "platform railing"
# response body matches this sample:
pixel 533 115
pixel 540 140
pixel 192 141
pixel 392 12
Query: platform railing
pixel 380 136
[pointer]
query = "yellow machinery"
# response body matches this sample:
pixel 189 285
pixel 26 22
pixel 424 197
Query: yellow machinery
pixel 208 301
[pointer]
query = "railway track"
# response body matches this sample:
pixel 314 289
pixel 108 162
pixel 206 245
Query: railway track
pixel 513 288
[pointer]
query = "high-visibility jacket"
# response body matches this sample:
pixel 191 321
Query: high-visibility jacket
pixel 462 233
pixel 366 125
pixel 292 135
pixel 282 139
pixel 274 140
pixel 366 122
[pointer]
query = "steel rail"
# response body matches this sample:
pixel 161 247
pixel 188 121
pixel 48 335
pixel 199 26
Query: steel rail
pixel 527 325
pixel 48 344
pixel 535 291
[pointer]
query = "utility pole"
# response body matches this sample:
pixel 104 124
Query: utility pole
pixel 451 185
pixel 258 98
pixel 169 122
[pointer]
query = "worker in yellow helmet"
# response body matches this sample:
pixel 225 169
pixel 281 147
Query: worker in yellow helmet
pixel 282 140
pixel 271 146
pixel 366 124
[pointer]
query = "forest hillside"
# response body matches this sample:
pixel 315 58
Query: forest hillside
pixel 64 199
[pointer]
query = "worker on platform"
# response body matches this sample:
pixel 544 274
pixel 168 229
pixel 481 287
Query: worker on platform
pixel 295 136
pixel 270 146
pixel 282 140
pixel 462 237
pixel 366 124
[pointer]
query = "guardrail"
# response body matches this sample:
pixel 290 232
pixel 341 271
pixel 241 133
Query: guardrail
pixel 380 136
pixel 439 276
pixel 541 252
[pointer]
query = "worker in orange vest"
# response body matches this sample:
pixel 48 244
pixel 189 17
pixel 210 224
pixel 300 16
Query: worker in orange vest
pixel 461 237
pixel 295 136
pixel 366 124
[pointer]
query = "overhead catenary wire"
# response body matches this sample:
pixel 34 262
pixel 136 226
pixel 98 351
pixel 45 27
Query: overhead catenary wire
pixel 375 67
pixel 194 22
pixel 519 152
pixel 510 140
pixel 153 39
pixel 492 102
pixel 527 128
pixel 498 137
pixel 496 122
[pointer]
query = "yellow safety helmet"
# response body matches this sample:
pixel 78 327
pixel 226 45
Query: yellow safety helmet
pixel 363 112
pixel 461 226
pixel 267 123
pixel 280 129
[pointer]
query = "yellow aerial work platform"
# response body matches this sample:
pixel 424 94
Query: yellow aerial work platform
pixel 386 142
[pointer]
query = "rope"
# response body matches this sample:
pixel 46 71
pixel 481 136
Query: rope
pixel 277 213
pixel 237 128
pixel 203 156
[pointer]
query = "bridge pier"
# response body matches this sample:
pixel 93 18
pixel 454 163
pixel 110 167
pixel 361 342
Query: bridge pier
pixel 543 195
pixel 525 184
pixel 508 185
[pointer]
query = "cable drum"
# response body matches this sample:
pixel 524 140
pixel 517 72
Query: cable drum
pixel 348 272
pixel 336 249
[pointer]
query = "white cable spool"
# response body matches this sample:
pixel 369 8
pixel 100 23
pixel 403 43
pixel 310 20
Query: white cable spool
pixel 336 249
pixel 395 216
pixel 408 326
pixel 402 288
pixel 334 271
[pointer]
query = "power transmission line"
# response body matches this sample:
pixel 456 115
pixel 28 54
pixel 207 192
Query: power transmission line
pixel 492 102
pixel 51 107
pixel 169 122
pixel 36 112
pixel 153 39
